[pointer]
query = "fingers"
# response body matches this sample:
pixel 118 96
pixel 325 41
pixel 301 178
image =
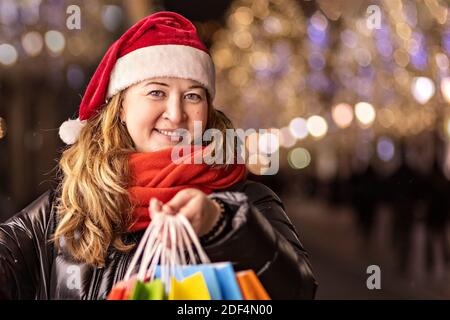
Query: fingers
pixel 155 206
pixel 190 209
pixel 178 201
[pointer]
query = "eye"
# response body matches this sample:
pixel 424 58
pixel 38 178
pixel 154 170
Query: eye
pixel 193 97
pixel 156 93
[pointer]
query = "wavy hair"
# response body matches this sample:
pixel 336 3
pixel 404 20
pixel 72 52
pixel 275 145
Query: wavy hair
pixel 93 205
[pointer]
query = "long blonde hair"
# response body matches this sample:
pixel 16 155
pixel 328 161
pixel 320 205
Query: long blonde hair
pixel 93 206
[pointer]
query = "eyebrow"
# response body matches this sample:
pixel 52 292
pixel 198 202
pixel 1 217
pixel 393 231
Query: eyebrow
pixel 166 85
pixel 196 86
pixel 153 82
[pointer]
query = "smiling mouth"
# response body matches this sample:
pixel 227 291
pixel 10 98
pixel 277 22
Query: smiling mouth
pixel 174 135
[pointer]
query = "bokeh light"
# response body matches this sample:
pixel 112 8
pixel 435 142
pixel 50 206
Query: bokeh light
pixel 386 117
pixel 111 17
pixel 243 16
pixel 422 89
pixel 8 54
pixel 268 143
pixel 299 158
pixel 447 126
pixel 445 88
pixel 365 113
pixel 298 128
pixel 342 114
pixel 75 76
pixel 32 43
pixel 287 140
pixel 55 41
pixel 385 149
pixel 317 126
pixel 252 143
pixel 442 61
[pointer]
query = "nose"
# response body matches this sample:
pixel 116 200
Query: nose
pixel 174 110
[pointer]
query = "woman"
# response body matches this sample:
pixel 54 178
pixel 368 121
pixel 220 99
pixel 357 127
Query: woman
pixel 75 242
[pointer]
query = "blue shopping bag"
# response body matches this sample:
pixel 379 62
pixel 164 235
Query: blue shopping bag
pixel 227 281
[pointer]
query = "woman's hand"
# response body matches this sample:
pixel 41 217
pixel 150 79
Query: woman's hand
pixel 202 212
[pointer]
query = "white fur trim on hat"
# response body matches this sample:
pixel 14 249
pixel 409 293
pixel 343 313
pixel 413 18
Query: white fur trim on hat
pixel 70 130
pixel 162 61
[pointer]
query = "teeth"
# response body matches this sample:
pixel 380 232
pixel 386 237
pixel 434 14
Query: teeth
pixel 169 133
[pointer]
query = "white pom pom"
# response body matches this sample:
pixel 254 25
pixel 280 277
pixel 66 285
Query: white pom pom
pixel 70 130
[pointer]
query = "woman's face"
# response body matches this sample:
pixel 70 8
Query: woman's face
pixel 153 109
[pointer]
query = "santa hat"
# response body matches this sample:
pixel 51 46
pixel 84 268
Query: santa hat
pixel 164 44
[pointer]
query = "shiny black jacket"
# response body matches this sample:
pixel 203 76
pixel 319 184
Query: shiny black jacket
pixel 262 238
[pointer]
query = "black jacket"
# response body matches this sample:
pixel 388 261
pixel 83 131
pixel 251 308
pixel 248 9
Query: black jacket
pixel 262 238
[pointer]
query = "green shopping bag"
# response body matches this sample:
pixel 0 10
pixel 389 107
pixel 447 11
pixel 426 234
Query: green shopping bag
pixel 153 290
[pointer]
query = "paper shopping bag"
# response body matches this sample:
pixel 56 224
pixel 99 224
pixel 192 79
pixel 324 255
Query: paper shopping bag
pixel 192 287
pixel 251 287
pixel 226 278
pixel 117 292
pixel 138 292
pixel 155 290
pixel 122 290
pixel 129 288
pixel 209 275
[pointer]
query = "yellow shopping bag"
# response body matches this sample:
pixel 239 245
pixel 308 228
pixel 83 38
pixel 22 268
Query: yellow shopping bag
pixel 192 287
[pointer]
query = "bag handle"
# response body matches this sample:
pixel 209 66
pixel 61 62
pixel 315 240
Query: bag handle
pixel 155 225
pixel 194 239
pixel 153 250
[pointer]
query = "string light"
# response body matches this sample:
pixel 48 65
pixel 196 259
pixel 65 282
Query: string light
pixel 394 67
pixel 20 44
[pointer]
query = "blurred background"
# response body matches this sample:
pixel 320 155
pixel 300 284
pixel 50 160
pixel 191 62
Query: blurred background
pixel 359 91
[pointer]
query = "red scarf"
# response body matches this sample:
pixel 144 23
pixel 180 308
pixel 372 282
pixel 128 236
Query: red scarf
pixel 154 174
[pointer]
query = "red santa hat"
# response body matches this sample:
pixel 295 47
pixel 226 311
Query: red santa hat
pixel 164 44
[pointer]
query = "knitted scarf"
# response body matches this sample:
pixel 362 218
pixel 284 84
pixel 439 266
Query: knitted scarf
pixel 154 174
